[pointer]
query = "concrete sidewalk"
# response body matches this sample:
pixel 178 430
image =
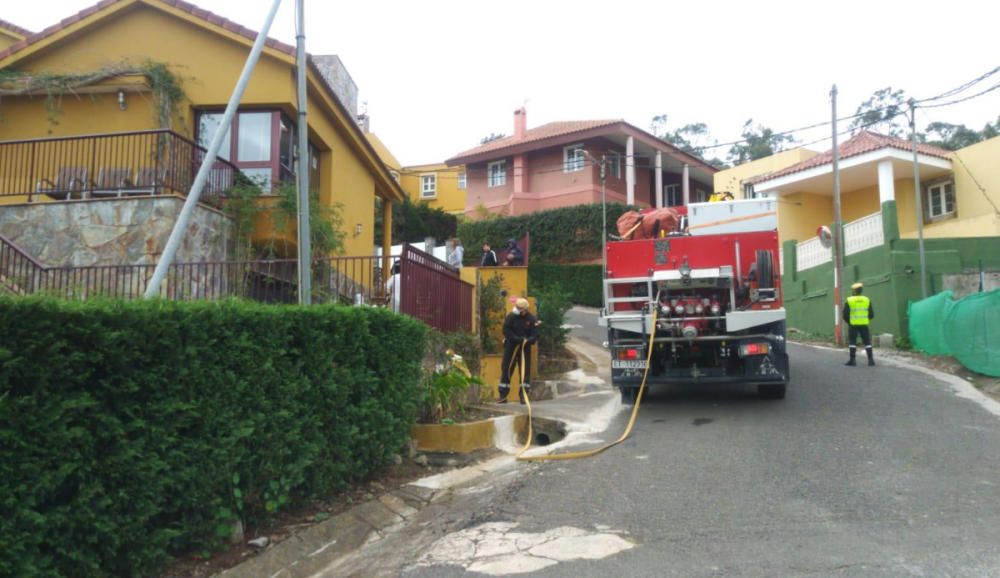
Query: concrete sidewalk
pixel 584 405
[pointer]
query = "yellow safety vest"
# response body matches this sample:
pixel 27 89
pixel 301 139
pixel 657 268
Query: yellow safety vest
pixel 859 309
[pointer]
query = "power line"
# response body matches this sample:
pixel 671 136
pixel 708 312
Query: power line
pixel 945 94
pixel 981 188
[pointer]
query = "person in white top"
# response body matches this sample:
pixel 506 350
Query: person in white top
pixel 392 287
pixel 457 254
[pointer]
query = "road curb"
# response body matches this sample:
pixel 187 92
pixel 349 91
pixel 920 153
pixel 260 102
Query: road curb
pixel 959 386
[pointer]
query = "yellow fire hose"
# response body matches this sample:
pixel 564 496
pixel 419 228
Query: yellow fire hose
pixel 593 451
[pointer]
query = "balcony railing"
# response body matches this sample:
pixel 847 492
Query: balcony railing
pixel 429 290
pixel 150 162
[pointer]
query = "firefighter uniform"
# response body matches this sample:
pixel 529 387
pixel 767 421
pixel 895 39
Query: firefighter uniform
pixel 519 333
pixel 858 313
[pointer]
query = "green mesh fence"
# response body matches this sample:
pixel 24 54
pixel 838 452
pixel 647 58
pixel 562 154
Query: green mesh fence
pixel 967 329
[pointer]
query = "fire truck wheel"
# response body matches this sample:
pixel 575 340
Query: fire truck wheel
pixel 771 391
pixel 628 395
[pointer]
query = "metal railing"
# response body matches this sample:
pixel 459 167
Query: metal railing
pixel 19 272
pixel 433 292
pixel 430 290
pixel 149 162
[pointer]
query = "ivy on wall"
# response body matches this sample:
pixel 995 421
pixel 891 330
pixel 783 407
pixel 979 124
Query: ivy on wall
pixel 564 235
pixel 164 84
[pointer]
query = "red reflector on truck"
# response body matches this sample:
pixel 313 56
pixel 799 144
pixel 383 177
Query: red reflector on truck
pixel 628 354
pixel 754 349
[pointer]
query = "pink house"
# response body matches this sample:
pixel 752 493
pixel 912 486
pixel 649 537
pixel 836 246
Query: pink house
pixel 548 166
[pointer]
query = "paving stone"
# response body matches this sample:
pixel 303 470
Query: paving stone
pixel 376 514
pixel 398 505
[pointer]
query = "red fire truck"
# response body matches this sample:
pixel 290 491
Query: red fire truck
pixel 708 293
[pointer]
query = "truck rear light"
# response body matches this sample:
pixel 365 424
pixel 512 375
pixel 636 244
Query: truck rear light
pixel 699 309
pixel 754 349
pixel 628 354
pixel 715 309
pixel 679 310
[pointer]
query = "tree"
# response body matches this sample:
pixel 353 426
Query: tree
pixel 883 112
pixel 491 137
pixel 758 142
pixel 956 136
pixel 414 222
pixel 692 138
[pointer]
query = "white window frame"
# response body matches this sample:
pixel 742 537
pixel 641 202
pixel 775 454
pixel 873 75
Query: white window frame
pixel 748 191
pixel 573 158
pixel 672 190
pixel 941 210
pixel 462 183
pixel 496 178
pixel 428 192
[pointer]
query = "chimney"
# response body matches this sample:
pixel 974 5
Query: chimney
pixel 520 122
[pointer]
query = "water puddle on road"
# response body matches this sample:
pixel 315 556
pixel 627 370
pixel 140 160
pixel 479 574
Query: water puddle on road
pixel 498 550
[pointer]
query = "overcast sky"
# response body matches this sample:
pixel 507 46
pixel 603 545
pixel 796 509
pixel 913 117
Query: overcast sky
pixel 439 75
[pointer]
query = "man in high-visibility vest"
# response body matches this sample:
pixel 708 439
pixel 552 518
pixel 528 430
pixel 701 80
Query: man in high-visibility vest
pixel 858 313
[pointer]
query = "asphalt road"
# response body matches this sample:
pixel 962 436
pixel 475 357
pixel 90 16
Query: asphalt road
pixel 859 472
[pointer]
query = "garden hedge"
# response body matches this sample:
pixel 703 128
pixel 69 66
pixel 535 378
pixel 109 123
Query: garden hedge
pixel 133 431
pixel 557 235
pixel 582 283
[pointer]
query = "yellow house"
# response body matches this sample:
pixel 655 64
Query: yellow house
pixel 736 180
pixel 11 34
pixel 958 190
pixel 151 79
pixel 437 185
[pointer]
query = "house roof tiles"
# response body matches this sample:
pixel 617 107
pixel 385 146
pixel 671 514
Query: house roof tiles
pixel 179 4
pixel 15 28
pixel 859 144
pixel 539 133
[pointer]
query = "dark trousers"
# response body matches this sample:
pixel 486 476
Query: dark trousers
pixel 862 331
pixel 855 331
pixel 512 361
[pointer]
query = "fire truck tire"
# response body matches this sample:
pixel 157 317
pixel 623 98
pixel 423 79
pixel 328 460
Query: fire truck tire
pixel 765 270
pixel 772 390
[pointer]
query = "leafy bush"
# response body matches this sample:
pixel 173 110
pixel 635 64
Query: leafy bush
pixel 414 222
pixel 131 431
pixel 491 314
pixel 582 283
pixel 553 303
pixel 558 235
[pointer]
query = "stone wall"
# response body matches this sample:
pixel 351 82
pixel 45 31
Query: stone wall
pixel 113 231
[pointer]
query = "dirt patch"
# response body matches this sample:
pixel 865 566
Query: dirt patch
pixel 288 523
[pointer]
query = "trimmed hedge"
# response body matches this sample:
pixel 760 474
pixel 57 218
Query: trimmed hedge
pixel 557 235
pixel 582 283
pixel 132 431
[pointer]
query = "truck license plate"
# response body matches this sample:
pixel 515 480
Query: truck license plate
pixel 628 364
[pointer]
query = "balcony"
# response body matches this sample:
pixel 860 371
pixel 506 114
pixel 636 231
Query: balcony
pixel 142 163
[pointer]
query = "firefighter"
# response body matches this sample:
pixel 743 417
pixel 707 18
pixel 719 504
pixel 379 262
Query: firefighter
pixel 519 334
pixel 858 313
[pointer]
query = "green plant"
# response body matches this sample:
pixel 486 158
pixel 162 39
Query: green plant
pixel 582 283
pixel 150 427
pixel 242 204
pixel 491 314
pixel 553 303
pixel 325 221
pixel 443 393
pixel 557 235
pixel 413 222
pixel 164 84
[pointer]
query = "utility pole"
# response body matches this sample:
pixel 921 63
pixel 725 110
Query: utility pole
pixel 603 165
pixel 604 229
pixel 918 200
pixel 304 238
pixel 180 227
pixel 838 228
